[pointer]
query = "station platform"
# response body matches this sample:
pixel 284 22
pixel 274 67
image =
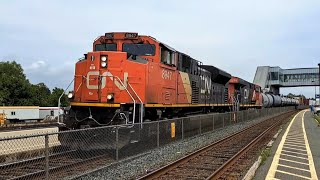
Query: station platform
pixel 295 155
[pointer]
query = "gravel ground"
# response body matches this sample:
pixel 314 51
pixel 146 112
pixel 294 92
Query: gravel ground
pixel 146 162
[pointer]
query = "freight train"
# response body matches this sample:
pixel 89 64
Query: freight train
pixel 130 78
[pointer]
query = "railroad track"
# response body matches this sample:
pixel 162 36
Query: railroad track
pixel 224 159
pixel 59 165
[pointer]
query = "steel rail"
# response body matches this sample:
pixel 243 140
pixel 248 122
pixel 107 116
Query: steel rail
pixel 163 170
pixel 217 174
pixel 60 168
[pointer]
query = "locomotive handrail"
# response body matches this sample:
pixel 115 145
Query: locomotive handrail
pixel 59 100
pixel 125 87
pixel 141 105
pixel 80 83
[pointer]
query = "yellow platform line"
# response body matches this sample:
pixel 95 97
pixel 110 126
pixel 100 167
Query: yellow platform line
pixel 295 141
pixel 291 167
pixel 273 168
pixel 295 152
pixel 296 136
pixel 294 156
pixel 295 149
pixel 295 144
pixel 300 176
pixel 298 162
pixel 311 164
pixel 276 158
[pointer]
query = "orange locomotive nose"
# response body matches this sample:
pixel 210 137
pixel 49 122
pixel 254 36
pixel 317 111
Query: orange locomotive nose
pixel 104 76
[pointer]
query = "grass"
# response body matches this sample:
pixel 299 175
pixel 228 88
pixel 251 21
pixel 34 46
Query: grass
pixel 264 155
pixel 317 118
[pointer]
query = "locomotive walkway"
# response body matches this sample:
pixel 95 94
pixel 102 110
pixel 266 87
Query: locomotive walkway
pixel 297 155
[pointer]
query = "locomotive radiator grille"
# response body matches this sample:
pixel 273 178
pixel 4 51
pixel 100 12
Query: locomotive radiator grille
pixel 195 92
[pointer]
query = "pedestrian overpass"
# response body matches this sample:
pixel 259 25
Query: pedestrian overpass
pixel 272 78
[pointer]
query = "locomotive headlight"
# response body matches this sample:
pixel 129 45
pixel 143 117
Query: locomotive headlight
pixel 70 95
pixel 103 64
pixel 110 96
pixel 104 58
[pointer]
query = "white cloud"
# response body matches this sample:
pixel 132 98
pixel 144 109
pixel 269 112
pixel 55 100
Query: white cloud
pixel 35 66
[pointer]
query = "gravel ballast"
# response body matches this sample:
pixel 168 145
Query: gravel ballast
pixel 141 164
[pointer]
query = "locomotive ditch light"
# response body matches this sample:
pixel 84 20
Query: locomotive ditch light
pixel 104 58
pixel 103 64
pixel 110 96
pixel 70 95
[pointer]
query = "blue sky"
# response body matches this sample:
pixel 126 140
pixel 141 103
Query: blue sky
pixel 47 37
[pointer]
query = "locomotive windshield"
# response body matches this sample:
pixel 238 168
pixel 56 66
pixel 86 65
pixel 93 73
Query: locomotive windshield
pixel 106 47
pixel 139 49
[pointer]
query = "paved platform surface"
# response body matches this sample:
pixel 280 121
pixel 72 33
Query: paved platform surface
pixel 295 155
pixel 26 144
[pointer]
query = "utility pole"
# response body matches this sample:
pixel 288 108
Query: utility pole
pixel 319 81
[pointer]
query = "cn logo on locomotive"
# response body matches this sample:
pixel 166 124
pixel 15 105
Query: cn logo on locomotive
pixel 206 88
pixel 95 86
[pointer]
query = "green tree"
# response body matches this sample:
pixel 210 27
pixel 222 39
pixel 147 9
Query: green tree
pixel 56 93
pixel 290 95
pixel 14 87
pixel 16 90
pixel 40 94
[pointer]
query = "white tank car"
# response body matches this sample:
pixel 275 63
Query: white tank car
pixel 265 100
pixel 270 104
pixel 283 101
pixel 276 100
pixel 271 100
pixel 291 101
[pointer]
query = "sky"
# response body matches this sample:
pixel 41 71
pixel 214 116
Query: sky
pixel 48 37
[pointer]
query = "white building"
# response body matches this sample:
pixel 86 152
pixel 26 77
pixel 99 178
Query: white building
pixel 20 112
pixel 30 112
pixel 49 111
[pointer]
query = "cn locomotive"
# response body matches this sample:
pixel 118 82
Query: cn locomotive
pixel 130 78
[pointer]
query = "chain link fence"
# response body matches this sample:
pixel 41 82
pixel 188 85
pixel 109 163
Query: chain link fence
pixel 55 155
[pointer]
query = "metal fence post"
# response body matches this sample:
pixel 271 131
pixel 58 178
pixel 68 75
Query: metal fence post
pixel 212 122
pixel 243 116
pixel 237 117
pixel 200 125
pixel 182 129
pixel 117 144
pixel 46 139
pixel 158 134
pixel 223 120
